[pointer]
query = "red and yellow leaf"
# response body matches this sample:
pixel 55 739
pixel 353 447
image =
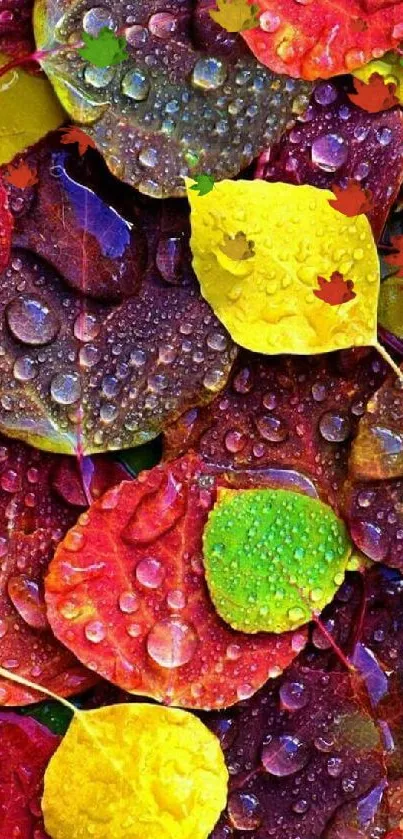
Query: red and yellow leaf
pixel 374 95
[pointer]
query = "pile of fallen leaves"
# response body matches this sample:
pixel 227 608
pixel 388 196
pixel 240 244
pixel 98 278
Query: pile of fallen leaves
pixel 201 418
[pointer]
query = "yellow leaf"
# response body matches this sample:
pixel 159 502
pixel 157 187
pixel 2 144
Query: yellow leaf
pixel 135 772
pixel 390 66
pixel 236 15
pixel 302 249
pixel 29 109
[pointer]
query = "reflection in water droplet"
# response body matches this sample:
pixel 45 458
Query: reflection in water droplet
pixel 209 73
pixel 28 600
pixel 98 77
pixel 162 24
pixel 136 85
pixel 334 427
pixel 128 602
pixel 272 429
pixel 95 632
pixel 244 811
pixel 293 696
pixel 176 599
pixel 96 18
pixel 172 643
pixel 285 755
pixel 25 368
pixel 150 572
pixel 31 321
pixel 329 152
pixel 65 388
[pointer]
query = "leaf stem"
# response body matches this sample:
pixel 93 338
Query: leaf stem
pixel 389 360
pixel 19 680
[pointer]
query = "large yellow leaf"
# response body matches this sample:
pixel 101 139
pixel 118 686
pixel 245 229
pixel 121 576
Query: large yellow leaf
pixel 263 253
pixel 29 109
pixel 135 771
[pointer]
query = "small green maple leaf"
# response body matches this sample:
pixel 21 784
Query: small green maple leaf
pixel 203 184
pixel 103 49
pixel 236 15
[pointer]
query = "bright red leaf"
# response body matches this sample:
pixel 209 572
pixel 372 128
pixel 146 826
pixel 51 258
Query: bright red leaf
pixel 352 200
pixel 41 496
pixel 26 747
pixel 374 96
pixel 6 228
pixel 126 592
pixel 74 134
pixel 335 291
pixel 321 39
pixel 21 175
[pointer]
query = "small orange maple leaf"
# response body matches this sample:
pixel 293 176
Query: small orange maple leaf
pixel 396 259
pixel 21 175
pixel 352 200
pixel 375 96
pixel 74 134
pixel 335 291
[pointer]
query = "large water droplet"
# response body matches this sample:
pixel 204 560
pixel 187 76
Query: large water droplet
pixel 98 77
pixel 96 18
pixel 136 85
pixel 285 755
pixel 293 695
pixel 128 602
pixel 95 631
pixel 334 427
pixel 329 152
pixel 31 321
pixel 65 388
pixel 209 73
pixel 25 368
pixel 150 572
pixel 172 643
pixel 28 600
pixel 244 811
pixel 272 429
pixel 162 24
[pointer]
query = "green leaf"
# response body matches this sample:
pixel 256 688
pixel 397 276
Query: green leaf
pixel 104 49
pixel 55 716
pixel 203 184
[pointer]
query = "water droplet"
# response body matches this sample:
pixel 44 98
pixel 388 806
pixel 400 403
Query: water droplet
pixel 74 540
pixel 95 631
pixel 209 73
pixel 96 18
pixel 233 652
pixel 329 152
pixel 244 811
pixel 176 599
pixel 217 341
pixel 150 572
pixel 169 258
pixel 334 427
pixel 10 481
pixel 234 441
pixel 28 600
pixel 65 388
pixel 244 691
pixel 136 85
pixel 172 643
pixel 31 321
pixel 162 24
pixel 272 428
pixel 285 755
pixel 3 628
pixel 300 806
pixel 293 696
pixel 128 602
pixel 269 21
pixel 325 93
pixel 213 380
pixel 334 766
pixel 98 77
pixel 86 327
pixel 25 368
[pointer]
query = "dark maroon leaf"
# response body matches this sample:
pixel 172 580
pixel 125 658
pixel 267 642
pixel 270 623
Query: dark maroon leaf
pixel 285 421
pixel 308 754
pixel 41 496
pixel 16 35
pixel 26 747
pixel 213 112
pixel 374 512
pixel 377 451
pixel 83 375
pixel 335 142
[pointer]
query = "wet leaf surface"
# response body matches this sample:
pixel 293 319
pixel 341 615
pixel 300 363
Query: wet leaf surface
pixel 16 35
pixel 286 421
pixel 25 749
pixel 41 496
pixel 334 142
pixel 216 103
pixel 377 451
pixel 6 228
pixel 139 614
pixel 308 753
pixel 79 373
pixel 373 510
pixel 323 39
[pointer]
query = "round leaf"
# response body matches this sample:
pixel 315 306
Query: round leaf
pixel 126 592
pixel 126 769
pixel 268 272
pixel 272 558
